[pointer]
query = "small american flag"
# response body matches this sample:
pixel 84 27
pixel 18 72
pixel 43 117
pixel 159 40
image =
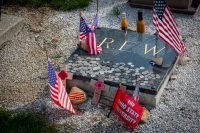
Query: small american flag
pixel 95 23
pixel 58 93
pixel 166 26
pixel 86 32
pixel 82 28
pixel 137 91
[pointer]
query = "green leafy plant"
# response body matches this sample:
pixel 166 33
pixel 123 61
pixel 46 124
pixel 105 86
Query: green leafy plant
pixel 56 4
pixel 116 11
pixel 56 56
pixel 23 122
pixel 69 4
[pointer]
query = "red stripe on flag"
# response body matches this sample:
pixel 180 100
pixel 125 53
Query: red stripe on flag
pixel 168 31
pixel 60 96
pixel 54 95
pixel 81 36
pixel 173 31
pixel 95 43
pixel 91 43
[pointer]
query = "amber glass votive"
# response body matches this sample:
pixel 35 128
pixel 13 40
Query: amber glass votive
pixel 124 23
pixel 140 23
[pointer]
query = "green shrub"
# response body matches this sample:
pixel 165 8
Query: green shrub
pixel 56 4
pixel 69 4
pixel 4 119
pixel 116 11
pixel 24 123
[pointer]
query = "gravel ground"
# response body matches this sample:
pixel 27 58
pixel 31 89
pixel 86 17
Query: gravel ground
pixel 23 73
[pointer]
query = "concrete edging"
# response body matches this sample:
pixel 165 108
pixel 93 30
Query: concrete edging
pixel 9 27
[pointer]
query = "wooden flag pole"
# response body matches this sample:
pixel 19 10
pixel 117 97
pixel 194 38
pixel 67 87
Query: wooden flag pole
pixel 47 54
pixel 109 111
pixel 79 42
pixel 120 85
pixel 157 60
pixel 156 45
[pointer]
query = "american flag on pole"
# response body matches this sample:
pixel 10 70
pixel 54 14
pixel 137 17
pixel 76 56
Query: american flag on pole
pixel 95 22
pixel 137 91
pixel 82 29
pixel 57 91
pixel 166 26
pixel 86 32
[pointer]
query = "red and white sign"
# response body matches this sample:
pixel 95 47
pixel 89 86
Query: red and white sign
pixel 127 108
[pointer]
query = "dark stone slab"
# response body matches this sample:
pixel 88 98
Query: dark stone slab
pixel 189 7
pixel 184 4
pixel 119 51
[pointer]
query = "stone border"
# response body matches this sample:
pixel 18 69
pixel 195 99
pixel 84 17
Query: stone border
pixel 9 27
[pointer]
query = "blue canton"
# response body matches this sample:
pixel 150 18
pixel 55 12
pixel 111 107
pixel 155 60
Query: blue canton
pixel 84 28
pixel 95 20
pixel 159 6
pixel 52 75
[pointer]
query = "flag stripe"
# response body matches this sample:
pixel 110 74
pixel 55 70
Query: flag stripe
pixel 173 30
pixel 169 40
pixel 168 31
pixel 54 95
pixel 171 22
pixel 167 35
pixel 88 34
pixel 58 93
pixel 166 26
pixel 90 40
pixel 95 44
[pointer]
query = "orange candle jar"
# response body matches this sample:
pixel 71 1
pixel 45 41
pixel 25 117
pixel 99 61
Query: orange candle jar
pixel 140 23
pixel 124 23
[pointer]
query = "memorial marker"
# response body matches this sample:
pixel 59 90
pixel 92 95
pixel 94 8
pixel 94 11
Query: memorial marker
pixel 123 57
pixel 99 85
pixel 63 74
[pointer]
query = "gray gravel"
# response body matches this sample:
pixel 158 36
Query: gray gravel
pixel 23 70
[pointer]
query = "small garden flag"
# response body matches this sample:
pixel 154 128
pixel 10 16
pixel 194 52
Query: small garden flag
pixel 127 108
pixel 89 35
pixel 58 93
pixel 166 26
